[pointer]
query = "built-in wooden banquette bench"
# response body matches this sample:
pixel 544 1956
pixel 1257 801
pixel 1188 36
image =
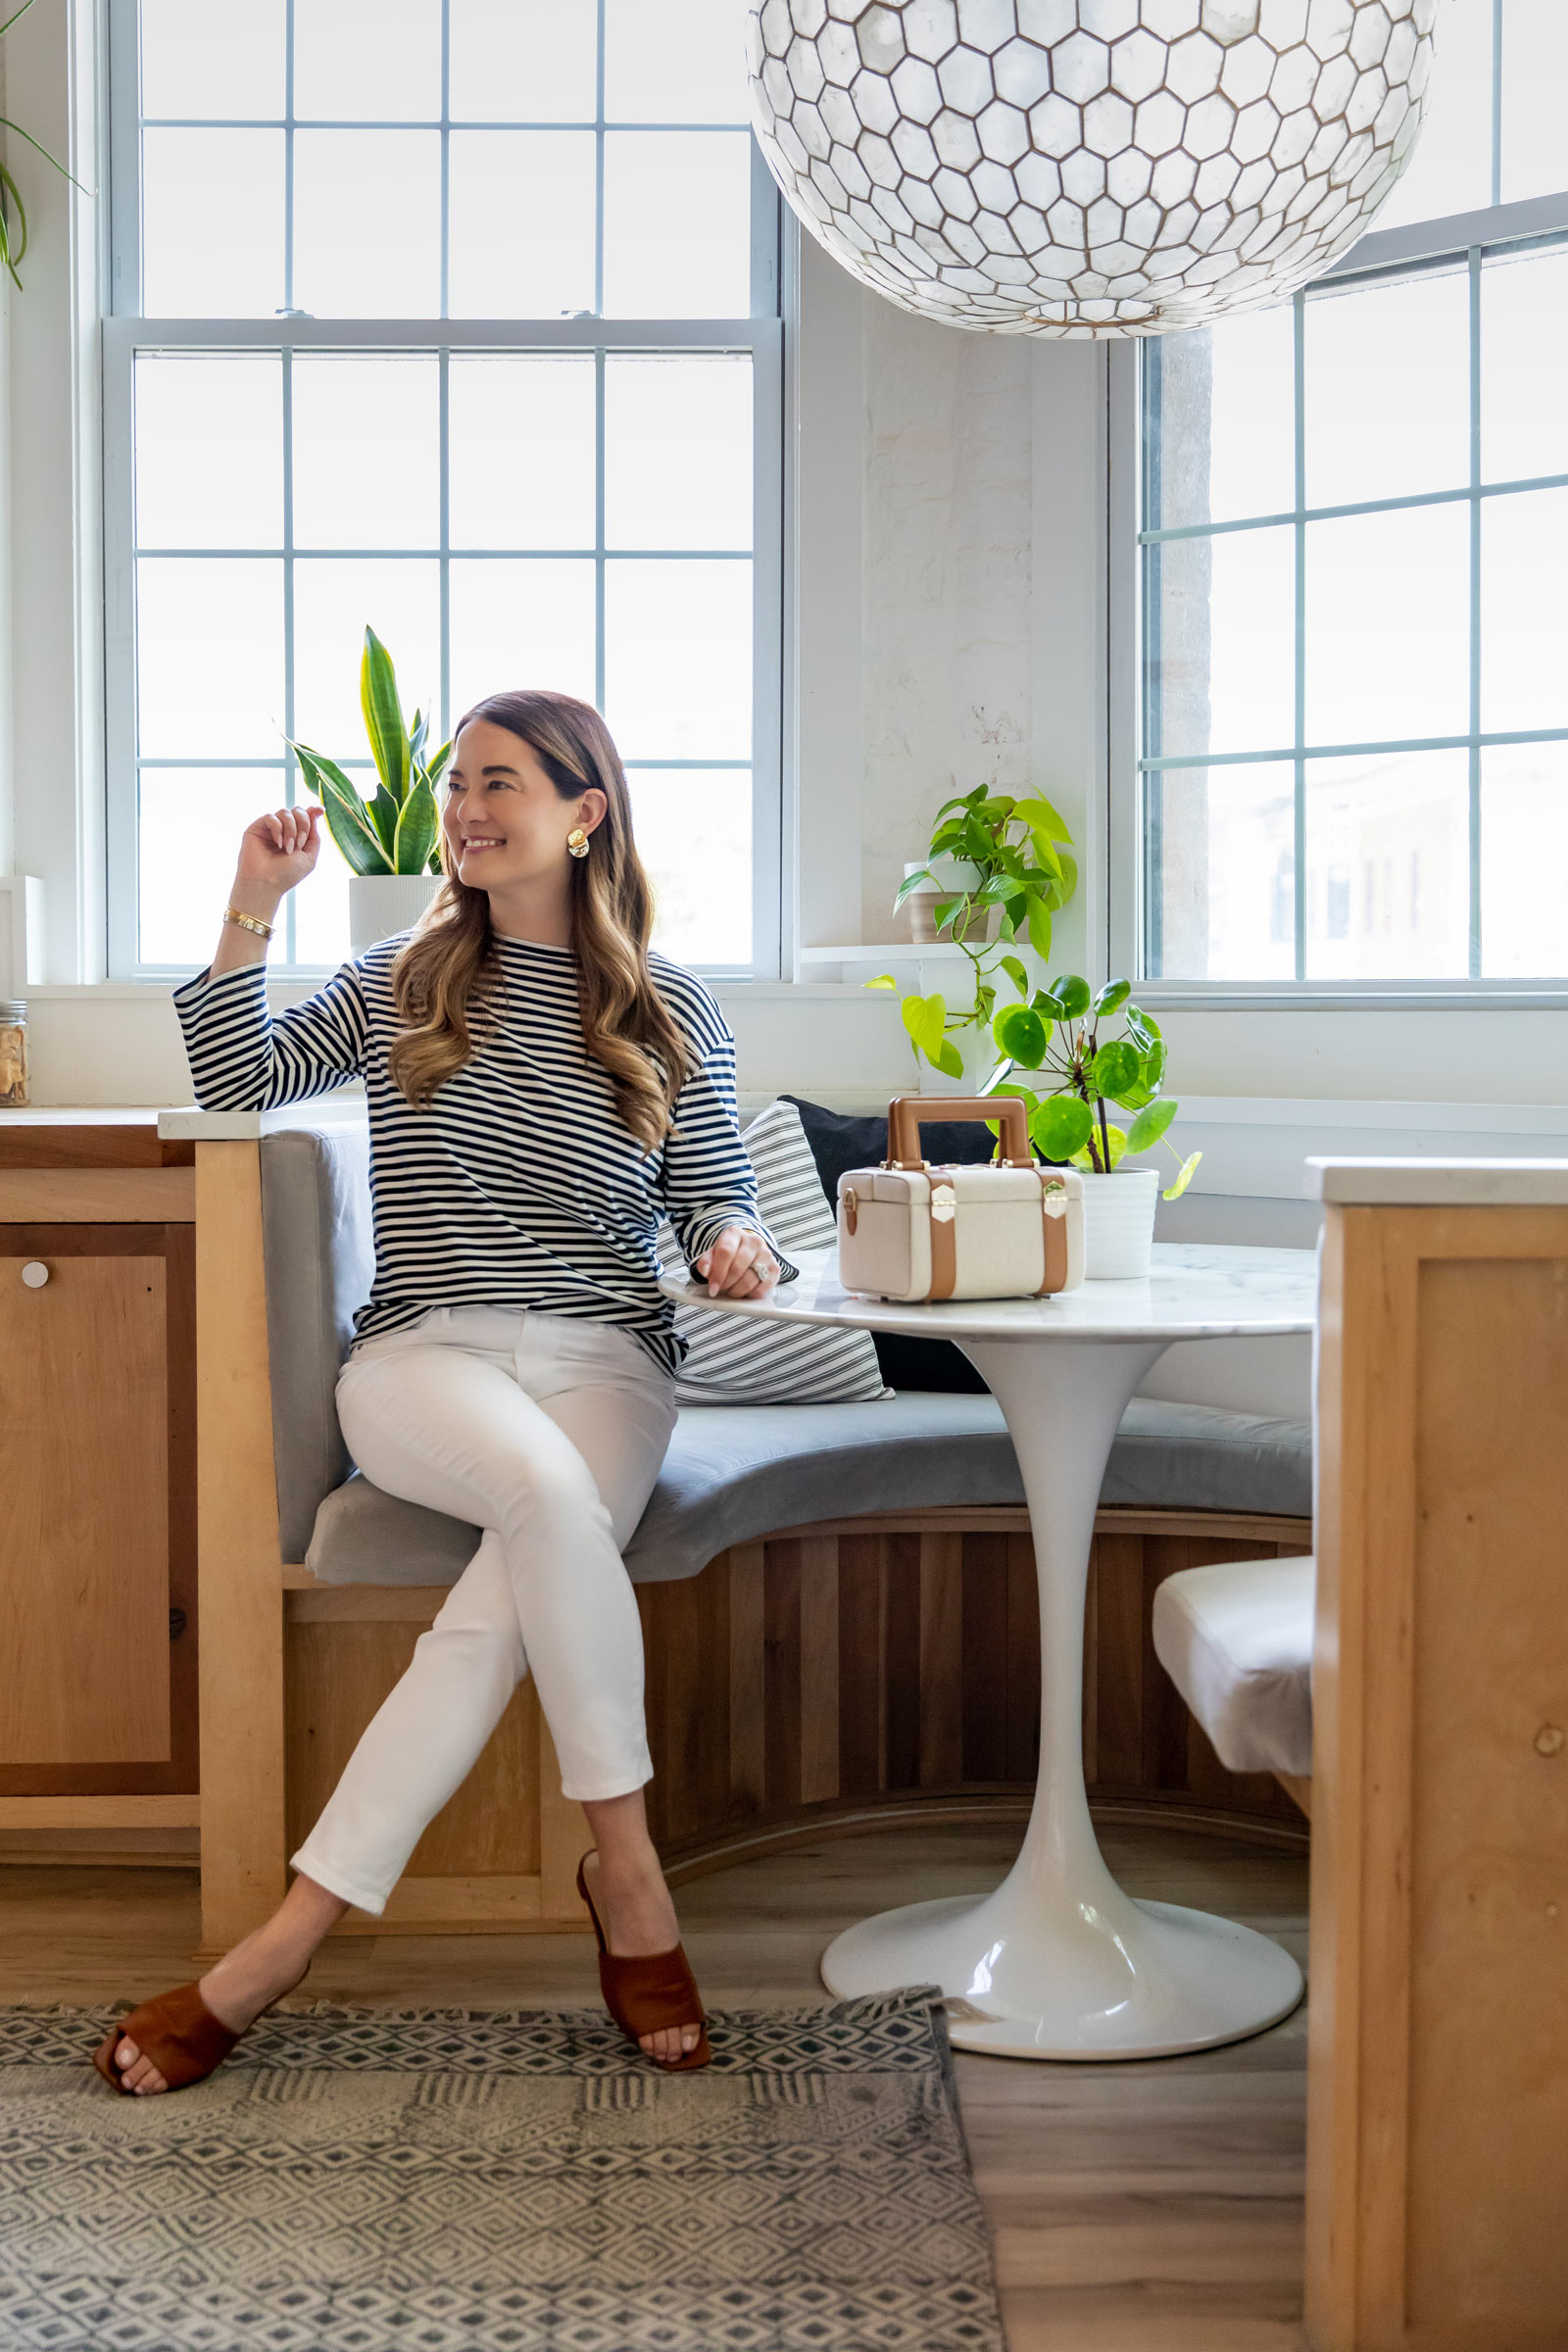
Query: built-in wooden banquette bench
pixel 838 1600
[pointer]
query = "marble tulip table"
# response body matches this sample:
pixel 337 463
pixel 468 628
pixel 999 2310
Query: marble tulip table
pixel 1059 1962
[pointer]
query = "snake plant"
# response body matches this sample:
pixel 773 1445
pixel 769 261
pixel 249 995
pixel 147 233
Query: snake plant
pixel 397 831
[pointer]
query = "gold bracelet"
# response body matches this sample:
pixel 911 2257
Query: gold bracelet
pixel 247 923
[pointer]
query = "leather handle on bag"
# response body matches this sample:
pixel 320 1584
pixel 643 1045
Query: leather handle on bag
pixel 905 1114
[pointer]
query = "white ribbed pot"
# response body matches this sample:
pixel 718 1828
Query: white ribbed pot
pixel 380 904
pixel 1119 1224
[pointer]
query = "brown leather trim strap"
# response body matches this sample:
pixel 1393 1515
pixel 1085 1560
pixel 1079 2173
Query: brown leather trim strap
pixel 1054 1228
pixel 942 1217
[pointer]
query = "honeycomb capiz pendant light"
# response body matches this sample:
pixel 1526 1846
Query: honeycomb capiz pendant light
pixel 1088 168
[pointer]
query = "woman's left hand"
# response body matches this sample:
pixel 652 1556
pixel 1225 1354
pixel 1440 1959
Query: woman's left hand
pixel 739 1265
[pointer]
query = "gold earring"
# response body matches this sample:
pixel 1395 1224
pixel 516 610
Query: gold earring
pixel 577 842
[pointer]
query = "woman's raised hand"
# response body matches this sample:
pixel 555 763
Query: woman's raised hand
pixel 277 851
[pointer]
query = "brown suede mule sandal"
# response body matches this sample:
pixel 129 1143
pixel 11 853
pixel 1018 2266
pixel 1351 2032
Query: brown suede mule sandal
pixel 179 2033
pixel 645 1995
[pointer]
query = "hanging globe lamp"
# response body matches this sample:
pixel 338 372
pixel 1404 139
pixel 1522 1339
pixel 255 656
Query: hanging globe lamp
pixel 1088 168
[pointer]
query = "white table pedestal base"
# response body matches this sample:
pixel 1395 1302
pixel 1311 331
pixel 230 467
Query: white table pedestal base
pixel 1161 1979
pixel 1059 1962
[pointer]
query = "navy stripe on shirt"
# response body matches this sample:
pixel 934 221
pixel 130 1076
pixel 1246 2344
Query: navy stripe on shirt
pixel 520 1185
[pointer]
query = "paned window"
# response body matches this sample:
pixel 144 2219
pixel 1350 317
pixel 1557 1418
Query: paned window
pixel 459 319
pixel 1354 712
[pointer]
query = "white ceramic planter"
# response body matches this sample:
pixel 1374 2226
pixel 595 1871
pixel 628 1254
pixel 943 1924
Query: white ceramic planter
pixel 380 904
pixel 1119 1224
pixel 956 875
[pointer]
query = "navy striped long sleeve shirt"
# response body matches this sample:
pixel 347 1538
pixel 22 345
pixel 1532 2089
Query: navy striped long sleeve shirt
pixel 519 1185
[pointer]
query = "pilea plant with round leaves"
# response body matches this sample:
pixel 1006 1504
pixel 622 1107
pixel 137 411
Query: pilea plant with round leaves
pixel 1025 871
pixel 1057 1033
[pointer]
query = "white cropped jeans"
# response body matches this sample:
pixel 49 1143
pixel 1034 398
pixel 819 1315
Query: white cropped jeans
pixel 547 1431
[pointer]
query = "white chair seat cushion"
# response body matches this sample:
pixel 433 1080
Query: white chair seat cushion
pixel 1237 1642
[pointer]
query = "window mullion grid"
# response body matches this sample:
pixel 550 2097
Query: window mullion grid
pixel 446 228
pixel 598 171
pixel 1152 788
pixel 290 769
pixel 288 166
pixel 1299 797
pixel 444 568
pixel 599 523
pixel 1497 102
pixel 1475 611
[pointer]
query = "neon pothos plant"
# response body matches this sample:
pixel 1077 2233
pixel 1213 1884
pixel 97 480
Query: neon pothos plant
pixel 398 830
pixel 12 211
pixel 1025 869
pixel 1057 1033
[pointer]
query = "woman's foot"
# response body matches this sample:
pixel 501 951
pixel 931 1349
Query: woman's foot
pixel 639 1919
pixel 236 1990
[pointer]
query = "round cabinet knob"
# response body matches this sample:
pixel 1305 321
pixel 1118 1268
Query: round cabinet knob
pixel 34 1275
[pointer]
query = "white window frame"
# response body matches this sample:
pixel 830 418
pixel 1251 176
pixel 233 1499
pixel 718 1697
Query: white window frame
pixel 127 333
pixel 1457 238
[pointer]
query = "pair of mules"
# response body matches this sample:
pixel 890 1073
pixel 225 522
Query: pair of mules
pixel 186 2041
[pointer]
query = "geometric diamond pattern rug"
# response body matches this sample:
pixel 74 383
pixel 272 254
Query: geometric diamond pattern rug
pixel 354 2179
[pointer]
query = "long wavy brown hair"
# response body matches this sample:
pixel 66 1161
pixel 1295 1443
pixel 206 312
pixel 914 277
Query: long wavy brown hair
pixel 445 981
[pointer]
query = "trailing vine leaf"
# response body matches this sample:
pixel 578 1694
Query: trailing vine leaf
pixel 910 882
pixel 1015 972
pixel 882 980
pixel 1043 817
pixel 1184 1177
pixel 925 1019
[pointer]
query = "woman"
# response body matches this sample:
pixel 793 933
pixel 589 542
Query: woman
pixel 541 1088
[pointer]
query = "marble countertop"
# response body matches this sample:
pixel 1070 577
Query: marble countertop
pixel 189 1124
pixel 1196 1290
pixel 1440 1183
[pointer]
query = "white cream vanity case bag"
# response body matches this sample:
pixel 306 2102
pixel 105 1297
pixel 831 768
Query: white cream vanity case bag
pixel 911 1231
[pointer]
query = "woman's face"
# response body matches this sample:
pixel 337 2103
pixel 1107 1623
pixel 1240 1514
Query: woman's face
pixel 503 819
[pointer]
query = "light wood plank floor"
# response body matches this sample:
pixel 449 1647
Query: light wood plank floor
pixel 1153 2207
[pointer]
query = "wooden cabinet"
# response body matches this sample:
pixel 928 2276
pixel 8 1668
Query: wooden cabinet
pixel 1437 2037
pixel 98 1620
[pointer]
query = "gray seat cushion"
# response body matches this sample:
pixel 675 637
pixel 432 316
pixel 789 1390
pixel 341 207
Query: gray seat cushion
pixel 737 1472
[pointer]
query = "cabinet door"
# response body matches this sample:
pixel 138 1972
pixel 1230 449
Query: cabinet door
pixel 97 1667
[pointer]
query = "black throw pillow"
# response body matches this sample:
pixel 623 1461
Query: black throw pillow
pixel 840 1142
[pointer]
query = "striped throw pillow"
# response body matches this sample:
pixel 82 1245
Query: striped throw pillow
pixel 745 1359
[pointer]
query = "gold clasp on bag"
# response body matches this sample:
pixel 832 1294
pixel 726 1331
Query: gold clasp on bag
pixel 849 1201
pixel 944 1204
pixel 1053 1196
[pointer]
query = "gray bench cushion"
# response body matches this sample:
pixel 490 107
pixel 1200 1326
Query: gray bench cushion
pixel 737 1472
